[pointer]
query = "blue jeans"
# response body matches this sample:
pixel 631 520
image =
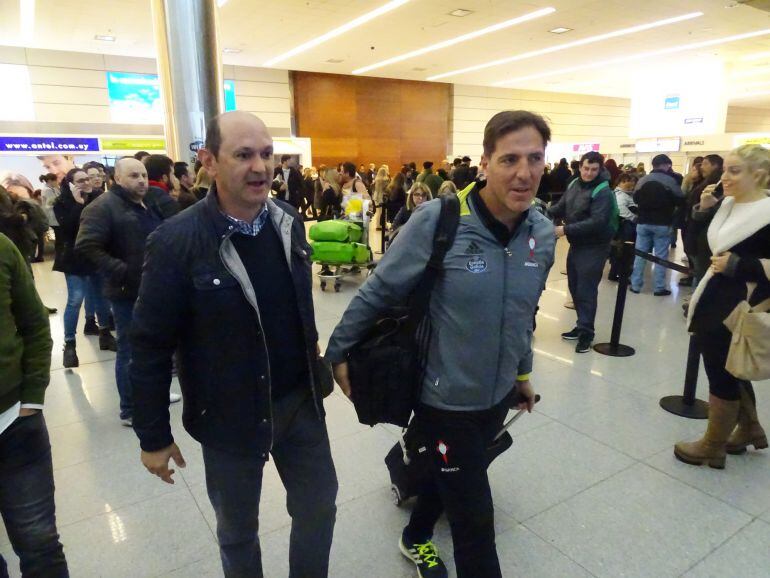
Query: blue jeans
pixel 304 462
pixel 655 239
pixel 94 296
pixel 123 312
pixel 26 499
pixel 80 287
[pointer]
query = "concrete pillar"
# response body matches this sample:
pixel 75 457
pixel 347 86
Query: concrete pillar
pixel 189 70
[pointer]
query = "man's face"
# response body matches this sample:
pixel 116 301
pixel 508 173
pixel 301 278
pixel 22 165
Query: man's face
pixel 589 171
pixel 97 179
pixel 285 164
pixel 132 176
pixel 243 170
pixel 59 165
pixel 515 168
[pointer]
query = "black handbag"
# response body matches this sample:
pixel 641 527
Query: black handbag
pixel 386 367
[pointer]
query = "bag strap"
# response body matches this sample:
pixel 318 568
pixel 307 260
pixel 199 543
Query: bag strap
pixel 599 187
pixel 443 239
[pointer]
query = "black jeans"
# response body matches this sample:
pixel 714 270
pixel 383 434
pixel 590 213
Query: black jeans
pixel 304 462
pixel 585 266
pixel 26 499
pixel 457 442
pixel 714 347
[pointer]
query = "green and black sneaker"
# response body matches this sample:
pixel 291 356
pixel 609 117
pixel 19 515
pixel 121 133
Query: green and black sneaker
pixel 425 557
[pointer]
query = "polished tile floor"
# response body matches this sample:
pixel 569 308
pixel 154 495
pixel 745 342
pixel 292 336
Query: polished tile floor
pixel 589 488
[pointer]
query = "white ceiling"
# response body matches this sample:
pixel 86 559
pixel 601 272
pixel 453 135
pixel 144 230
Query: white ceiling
pixel 265 29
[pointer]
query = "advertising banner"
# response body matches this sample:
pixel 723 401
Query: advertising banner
pixel 46 144
pixel 133 144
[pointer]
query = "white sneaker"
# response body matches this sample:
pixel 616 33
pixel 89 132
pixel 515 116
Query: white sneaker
pixel 174 397
pixel 128 422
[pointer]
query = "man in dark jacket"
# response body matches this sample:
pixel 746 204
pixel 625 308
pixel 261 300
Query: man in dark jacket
pixel 112 235
pixel 430 178
pixel 287 183
pixel 227 283
pixel 462 174
pixel 160 172
pixel 586 208
pixel 26 471
pixel 657 196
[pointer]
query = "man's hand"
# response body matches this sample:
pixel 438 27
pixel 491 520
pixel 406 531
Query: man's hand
pixel 341 377
pixel 157 462
pixel 526 391
pixel 719 262
pixel 26 411
pixel 559 231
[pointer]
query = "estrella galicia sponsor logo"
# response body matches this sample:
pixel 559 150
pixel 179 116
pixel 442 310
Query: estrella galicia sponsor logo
pixel 476 265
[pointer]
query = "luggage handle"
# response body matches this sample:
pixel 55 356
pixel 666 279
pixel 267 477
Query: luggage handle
pixel 516 416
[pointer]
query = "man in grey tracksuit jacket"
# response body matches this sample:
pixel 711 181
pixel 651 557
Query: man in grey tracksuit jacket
pixel 481 314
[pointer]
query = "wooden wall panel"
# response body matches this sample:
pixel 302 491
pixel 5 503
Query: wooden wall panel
pixel 375 120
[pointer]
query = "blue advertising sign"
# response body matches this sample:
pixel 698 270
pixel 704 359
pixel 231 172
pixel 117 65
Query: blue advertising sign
pixel 136 97
pixel 229 95
pixel 672 103
pixel 46 144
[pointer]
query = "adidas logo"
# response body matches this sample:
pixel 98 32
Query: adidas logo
pixel 473 249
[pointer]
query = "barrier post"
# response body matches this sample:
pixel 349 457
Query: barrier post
pixel 614 348
pixel 686 405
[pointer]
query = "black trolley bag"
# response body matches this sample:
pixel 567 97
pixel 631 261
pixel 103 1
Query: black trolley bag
pixel 408 460
pixel 386 366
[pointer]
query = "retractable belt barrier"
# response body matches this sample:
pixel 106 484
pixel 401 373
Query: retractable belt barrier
pixel 685 405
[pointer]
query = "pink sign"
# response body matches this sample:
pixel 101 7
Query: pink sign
pixel 585 147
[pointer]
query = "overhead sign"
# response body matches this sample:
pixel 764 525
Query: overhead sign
pixel 658 145
pixel 671 103
pixel 135 98
pixel 583 148
pixel 133 144
pixel 45 144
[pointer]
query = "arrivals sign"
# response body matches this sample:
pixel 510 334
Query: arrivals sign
pixel 135 98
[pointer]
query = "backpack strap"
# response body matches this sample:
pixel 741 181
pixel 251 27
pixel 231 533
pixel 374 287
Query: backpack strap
pixel 600 187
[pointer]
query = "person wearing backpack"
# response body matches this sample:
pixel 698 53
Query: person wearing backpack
pixel 590 214
pixel 657 196
pixel 480 313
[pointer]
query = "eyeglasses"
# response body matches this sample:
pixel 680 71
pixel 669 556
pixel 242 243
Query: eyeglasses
pixel 420 195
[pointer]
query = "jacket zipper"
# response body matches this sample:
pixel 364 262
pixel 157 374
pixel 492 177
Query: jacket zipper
pixel 262 335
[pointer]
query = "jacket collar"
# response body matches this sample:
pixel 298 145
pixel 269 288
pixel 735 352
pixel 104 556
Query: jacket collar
pixel 119 191
pixel 278 216
pixel 160 185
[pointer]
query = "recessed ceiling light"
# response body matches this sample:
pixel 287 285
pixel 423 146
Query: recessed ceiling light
pixel 104 38
pixel 335 60
pixel 355 23
pixel 231 50
pixel 566 45
pixel 560 30
pixel 458 39
pixel 460 12
pixel 638 56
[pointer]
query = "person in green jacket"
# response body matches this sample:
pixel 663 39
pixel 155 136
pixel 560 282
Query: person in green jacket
pixel 430 178
pixel 26 470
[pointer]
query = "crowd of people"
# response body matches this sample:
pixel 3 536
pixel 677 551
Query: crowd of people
pixel 207 272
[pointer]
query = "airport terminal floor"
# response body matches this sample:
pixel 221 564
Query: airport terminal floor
pixel 589 488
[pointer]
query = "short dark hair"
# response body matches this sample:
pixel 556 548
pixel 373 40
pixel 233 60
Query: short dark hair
pixel 592 158
pixel 285 158
pixel 466 159
pixel 141 155
pixel 48 177
pixel 157 166
pixel 427 164
pixel 213 137
pixel 413 166
pixel 349 169
pixel 697 160
pixel 181 169
pixel 715 160
pixel 624 177
pixel 457 161
pixel 508 121
pixel 93 165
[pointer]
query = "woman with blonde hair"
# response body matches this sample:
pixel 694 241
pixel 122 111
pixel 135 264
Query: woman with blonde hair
pixel 739 237
pixel 446 188
pixel 331 194
pixel 417 195
pixel 202 183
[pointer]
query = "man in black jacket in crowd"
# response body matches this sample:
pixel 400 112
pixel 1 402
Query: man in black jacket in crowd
pixel 586 208
pixel 227 284
pixel 657 196
pixel 112 234
pixel 287 183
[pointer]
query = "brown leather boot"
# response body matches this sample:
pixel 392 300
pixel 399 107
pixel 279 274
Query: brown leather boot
pixel 710 449
pixel 749 431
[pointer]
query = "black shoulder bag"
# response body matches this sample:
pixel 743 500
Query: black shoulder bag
pixel 386 367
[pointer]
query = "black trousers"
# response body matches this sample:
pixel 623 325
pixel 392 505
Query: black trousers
pixel 585 266
pixel 714 347
pixel 457 442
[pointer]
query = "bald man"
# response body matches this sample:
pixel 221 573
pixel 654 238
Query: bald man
pixel 227 284
pixel 113 231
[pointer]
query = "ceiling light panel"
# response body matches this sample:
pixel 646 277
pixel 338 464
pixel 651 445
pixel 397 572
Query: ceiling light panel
pixel 639 56
pixel 573 44
pixel 104 38
pixel 458 39
pixel 348 26
pixel 460 12
pixel 560 30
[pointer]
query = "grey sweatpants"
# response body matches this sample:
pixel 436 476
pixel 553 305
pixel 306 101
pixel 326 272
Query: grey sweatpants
pixel 585 266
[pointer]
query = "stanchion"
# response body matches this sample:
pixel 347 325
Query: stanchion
pixel 614 348
pixel 687 405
